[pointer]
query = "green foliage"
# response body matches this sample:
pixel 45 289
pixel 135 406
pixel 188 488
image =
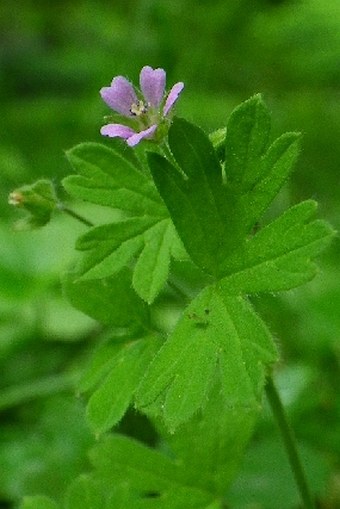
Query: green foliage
pixel 49 91
pixel 123 372
pixel 114 178
pixel 218 335
pixel 203 382
pixel 278 257
pixel 204 202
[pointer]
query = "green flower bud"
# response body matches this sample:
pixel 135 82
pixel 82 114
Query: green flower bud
pixel 38 199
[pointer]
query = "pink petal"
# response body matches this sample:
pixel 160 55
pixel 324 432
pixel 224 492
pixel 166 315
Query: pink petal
pixel 120 95
pixel 172 97
pixel 136 138
pixel 117 131
pixel 152 84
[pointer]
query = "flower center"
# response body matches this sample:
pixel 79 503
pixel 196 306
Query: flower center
pixel 138 108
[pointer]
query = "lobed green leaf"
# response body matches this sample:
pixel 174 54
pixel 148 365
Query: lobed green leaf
pixel 110 401
pixel 217 336
pixel 199 204
pixel 111 177
pixel 84 492
pixel 279 256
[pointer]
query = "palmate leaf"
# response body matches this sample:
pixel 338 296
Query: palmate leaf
pixel 279 256
pixel 114 178
pixel 218 336
pixel 198 203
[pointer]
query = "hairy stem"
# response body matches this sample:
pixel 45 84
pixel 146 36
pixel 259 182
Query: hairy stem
pixel 290 444
pixel 75 215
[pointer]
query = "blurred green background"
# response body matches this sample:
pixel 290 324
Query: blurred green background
pixel 55 56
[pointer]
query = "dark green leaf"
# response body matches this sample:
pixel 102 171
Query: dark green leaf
pixel 197 201
pixel 110 300
pixel 224 431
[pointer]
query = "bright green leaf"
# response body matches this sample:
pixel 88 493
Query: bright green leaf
pixel 152 267
pixel 215 331
pixel 115 178
pixel 110 247
pixel 110 401
pixel 101 361
pixel 112 177
pixel 279 256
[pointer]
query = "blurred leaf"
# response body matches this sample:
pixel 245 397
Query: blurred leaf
pixel 38 502
pixel 38 199
pixel 50 453
pixel 84 493
pixel 266 477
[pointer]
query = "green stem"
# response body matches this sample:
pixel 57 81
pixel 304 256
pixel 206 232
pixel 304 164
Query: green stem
pixel 75 215
pixel 21 393
pixel 167 153
pixel 290 444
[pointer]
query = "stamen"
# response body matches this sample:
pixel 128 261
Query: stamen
pixel 138 109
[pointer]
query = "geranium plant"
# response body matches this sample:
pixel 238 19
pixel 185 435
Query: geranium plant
pixel 190 232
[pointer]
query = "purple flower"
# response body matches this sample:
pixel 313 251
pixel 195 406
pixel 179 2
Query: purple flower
pixel 146 114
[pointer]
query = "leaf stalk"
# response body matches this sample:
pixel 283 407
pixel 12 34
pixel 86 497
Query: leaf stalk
pixel 290 444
